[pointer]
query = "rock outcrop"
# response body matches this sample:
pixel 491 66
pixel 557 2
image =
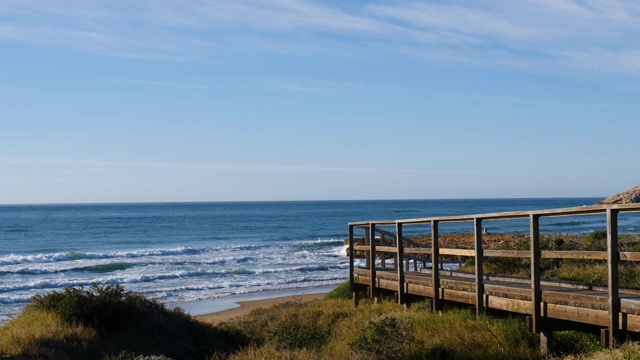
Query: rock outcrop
pixel 628 197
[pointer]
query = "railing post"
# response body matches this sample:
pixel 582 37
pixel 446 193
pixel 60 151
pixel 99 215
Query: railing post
pixel 351 261
pixel 435 260
pixel 383 262
pixel 613 258
pixel 536 292
pixel 477 225
pixel 400 254
pixel 373 292
pixel 367 242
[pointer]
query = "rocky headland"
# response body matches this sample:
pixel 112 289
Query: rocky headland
pixel 630 196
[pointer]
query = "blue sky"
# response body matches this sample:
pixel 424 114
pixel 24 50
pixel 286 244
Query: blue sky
pixel 157 100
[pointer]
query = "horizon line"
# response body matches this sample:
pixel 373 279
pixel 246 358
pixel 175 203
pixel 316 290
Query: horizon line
pixel 285 201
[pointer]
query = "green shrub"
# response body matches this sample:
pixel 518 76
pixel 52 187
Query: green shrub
pixel 596 241
pixel 342 291
pixel 575 342
pixel 105 308
pixel 386 338
pixel 128 323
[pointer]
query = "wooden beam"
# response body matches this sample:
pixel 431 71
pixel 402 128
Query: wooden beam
pixel 612 264
pixel 435 273
pixel 477 227
pixel 581 255
pixel 629 256
pixel 386 249
pixel 373 292
pixel 367 243
pixel 507 253
pixel 351 261
pixel 400 245
pixel 536 292
pixel 382 254
pixel 461 252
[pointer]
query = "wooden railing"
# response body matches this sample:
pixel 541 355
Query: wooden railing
pixel 383 244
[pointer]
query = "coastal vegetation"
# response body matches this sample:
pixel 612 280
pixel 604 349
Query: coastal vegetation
pixel 109 322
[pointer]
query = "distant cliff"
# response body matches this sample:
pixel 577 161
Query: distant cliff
pixel 628 197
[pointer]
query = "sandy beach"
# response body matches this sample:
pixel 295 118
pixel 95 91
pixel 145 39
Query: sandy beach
pixel 245 307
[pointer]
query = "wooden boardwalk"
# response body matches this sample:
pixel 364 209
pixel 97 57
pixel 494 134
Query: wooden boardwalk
pixel 549 305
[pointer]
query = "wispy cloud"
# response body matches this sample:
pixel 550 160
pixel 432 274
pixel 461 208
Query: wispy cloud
pixel 593 35
pixel 294 87
pixel 92 164
pixel 157 84
pixel 313 87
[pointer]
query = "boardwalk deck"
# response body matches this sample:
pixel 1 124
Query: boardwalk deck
pixel 548 304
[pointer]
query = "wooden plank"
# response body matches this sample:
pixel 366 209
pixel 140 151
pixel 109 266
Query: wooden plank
pixel 435 273
pixel 420 290
pixel 536 292
pixel 612 265
pixel 461 252
pixel 570 298
pixel 629 256
pixel 400 255
pixel 458 296
pixel 507 253
pixel 367 242
pixel 411 250
pixel 577 314
pixel 373 292
pixel 361 247
pixel 511 305
pixel 477 228
pixel 386 249
pixel 582 255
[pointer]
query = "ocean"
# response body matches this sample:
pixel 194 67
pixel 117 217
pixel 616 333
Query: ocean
pixel 186 253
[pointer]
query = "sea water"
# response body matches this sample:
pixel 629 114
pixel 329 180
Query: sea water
pixel 181 253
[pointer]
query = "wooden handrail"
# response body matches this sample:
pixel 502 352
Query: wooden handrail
pixel 421 252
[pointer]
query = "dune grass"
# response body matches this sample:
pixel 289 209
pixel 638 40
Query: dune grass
pixel 332 328
pixel 45 334
pixel 106 320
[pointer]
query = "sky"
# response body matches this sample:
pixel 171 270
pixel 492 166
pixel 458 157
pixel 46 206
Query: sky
pixel 185 100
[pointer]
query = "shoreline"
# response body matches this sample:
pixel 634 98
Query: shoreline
pixel 245 307
pixel 232 307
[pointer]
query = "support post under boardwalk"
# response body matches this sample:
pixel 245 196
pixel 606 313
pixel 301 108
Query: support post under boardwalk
pixel 373 292
pixel 536 292
pixel 435 260
pixel 546 343
pixel 612 263
pixel 400 249
pixel 477 225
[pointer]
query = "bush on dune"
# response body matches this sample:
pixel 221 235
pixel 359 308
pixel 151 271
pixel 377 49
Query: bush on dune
pixel 111 320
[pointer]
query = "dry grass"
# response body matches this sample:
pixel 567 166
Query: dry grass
pixel 334 329
pixel 41 334
pixel 628 351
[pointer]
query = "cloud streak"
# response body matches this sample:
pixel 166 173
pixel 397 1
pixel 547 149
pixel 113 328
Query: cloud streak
pixel 592 35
